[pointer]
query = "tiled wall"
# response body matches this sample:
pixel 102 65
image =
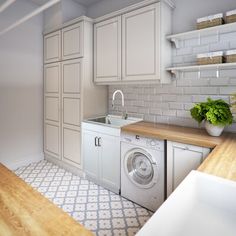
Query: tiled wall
pixel 171 103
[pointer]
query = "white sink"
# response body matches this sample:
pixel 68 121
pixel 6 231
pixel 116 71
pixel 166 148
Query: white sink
pixel 202 205
pixel 113 121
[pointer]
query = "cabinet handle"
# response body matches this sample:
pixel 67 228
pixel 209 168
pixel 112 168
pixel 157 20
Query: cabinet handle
pixel 95 141
pixel 99 143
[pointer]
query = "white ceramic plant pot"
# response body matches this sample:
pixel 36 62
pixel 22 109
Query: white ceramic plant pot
pixel 213 130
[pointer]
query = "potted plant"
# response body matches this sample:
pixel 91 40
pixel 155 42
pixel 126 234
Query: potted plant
pixel 215 113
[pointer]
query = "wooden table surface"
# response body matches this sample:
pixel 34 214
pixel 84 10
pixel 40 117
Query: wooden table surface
pixel 25 212
pixel 221 161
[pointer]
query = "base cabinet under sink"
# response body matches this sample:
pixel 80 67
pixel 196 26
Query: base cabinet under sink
pixel 101 158
pixel 181 159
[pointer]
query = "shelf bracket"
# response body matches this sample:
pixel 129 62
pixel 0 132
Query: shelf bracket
pixel 176 73
pixel 176 42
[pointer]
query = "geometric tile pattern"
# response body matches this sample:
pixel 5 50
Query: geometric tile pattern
pixel 103 212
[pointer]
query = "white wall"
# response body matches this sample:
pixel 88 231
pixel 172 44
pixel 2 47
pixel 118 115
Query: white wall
pixel 187 11
pixel 62 12
pixel 107 6
pixel 21 88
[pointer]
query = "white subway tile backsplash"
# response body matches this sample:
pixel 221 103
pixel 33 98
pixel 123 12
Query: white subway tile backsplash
pixel 192 90
pixel 228 90
pixel 228 73
pixel 210 90
pixel 171 103
pixel 169 98
pixel 200 82
pixel 184 51
pixel 209 39
pixel 155 111
pixel 176 105
pixel 169 112
pixel 228 37
pixel 184 114
pixel 219 46
pixel 219 81
pixel 191 42
pixel 201 49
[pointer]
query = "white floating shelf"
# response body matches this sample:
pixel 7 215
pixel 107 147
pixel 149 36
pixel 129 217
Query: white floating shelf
pixel 198 68
pixel 216 30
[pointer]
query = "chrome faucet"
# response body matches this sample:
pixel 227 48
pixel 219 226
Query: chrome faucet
pixel 124 113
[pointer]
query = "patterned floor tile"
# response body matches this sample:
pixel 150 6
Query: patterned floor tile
pixel 103 212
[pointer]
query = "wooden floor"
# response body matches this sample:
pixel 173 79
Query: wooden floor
pixel 24 211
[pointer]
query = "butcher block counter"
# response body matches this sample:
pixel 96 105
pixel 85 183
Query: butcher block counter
pixel 220 162
pixel 24 211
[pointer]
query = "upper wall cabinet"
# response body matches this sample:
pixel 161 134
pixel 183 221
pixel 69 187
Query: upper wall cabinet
pixel 145 51
pixel 52 47
pixel 107 50
pixel 72 41
pixel 141 44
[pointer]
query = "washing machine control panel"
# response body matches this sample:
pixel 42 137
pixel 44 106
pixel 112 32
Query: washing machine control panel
pixel 143 141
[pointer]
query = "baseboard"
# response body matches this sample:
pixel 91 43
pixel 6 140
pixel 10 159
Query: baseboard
pixel 66 166
pixel 24 162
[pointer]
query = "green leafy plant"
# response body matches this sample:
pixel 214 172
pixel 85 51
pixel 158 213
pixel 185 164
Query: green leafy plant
pixel 217 112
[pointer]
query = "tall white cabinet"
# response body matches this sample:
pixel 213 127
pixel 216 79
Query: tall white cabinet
pixel 69 92
pixel 132 47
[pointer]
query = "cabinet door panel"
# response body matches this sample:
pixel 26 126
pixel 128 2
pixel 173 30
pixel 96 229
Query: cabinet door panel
pixel 71 76
pixel 71 111
pixel 181 159
pixel 52 108
pixel 52 78
pixel 110 157
pixel 71 145
pixel 184 161
pixel 72 41
pixel 52 47
pixel 107 50
pixel 52 140
pixel 90 155
pixel 140 44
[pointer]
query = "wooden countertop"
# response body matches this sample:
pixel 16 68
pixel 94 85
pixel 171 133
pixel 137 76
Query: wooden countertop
pixel 24 211
pixel 220 162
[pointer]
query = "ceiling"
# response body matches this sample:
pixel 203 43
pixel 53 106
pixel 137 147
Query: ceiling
pixel 83 2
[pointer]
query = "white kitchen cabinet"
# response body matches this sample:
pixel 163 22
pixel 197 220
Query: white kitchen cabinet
pixel 181 159
pixel 72 41
pixel 144 48
pixel 101 156
pixel 71 114
pixel 52 118
pixel 141 44
pixel 90 155
pixel 52 47
pixel 109 161
pixel 107 50
pixel 70 95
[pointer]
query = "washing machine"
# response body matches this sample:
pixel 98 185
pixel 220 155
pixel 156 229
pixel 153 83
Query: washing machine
pixel 142 170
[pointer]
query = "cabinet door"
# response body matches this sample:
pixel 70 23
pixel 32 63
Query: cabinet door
pixel 141 44
pixel 90 155
pixel 181 159
pixel 52 118
pixel 72 41
pixel 71 111
pixel 52 47
pixel 107 50
pixel 110 162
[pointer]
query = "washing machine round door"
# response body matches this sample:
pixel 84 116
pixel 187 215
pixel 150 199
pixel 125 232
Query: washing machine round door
pixel 140 168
